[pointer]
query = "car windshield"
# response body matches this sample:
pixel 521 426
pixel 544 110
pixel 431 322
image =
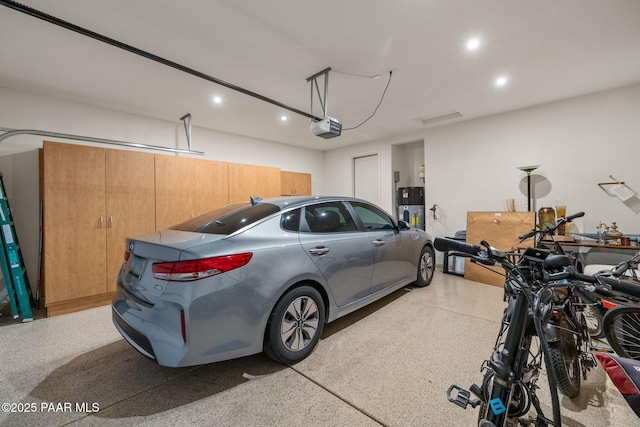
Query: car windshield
pixel 228 219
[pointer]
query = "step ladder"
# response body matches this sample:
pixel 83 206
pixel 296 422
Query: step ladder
pixel 15 275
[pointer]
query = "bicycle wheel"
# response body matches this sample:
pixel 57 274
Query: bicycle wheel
pixel 622 329
pixel 565 360
pixel 593 318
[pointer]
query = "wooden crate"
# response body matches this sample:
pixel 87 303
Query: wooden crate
pixel 501 230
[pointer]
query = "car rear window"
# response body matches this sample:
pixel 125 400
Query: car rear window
pixel 228 219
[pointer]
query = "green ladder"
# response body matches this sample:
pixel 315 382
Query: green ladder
pixel 15 275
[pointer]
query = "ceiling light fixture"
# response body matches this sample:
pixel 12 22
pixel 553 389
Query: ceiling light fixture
pixel 501 81
pixel 473 44
pixel 283 118
pixel 217 100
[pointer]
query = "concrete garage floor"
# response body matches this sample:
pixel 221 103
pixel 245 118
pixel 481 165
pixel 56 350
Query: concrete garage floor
pixel 388 364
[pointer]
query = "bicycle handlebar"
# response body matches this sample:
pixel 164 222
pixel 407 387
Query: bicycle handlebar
pixel 447 245
pixel 622 286
pixel 546 230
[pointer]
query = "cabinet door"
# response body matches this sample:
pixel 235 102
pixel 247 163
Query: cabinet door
pixel 74 221
pixel 175 190
pixel 295 184
pixel 212 185
pixel 303 184
pixel 248 180
pixel 287 183
pixel 131 209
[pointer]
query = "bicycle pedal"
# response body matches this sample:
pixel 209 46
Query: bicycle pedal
pixel 589 361
pixel 462 397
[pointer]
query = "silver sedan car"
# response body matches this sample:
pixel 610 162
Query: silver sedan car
pixel 262 276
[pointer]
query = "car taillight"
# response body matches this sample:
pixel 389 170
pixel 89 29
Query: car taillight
pixel 126 256
pixel 196 269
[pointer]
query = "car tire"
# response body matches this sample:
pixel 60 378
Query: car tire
pixel 295 325
pixel 426 267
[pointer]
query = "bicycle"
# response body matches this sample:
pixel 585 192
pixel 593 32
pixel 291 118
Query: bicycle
pixel 534 296
pixel 600 300
pixel 568 352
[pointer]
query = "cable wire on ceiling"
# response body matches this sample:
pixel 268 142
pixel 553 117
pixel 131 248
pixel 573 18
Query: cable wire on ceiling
pixel 378 106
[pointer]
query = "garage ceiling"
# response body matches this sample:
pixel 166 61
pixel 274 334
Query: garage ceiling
pixel 547 49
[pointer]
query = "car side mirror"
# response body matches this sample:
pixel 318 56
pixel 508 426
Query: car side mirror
pixel 403 225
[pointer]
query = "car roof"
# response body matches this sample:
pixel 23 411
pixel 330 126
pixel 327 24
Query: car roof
pixel 294 201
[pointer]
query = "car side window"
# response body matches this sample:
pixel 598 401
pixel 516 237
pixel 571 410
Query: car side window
pixel 372 218
pixel 330 217
pixel 291 220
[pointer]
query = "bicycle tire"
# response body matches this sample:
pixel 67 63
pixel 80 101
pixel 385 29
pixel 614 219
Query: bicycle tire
pixel 565 360
pixel 592 315
pixel 622 328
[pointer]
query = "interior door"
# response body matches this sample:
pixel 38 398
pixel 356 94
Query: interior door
pixel 366 180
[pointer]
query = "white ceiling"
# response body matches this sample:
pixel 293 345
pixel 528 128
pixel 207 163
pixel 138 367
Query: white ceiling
pixel 548 49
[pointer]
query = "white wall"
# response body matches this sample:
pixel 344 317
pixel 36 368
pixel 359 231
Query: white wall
pixel 472 165
pixel 19 155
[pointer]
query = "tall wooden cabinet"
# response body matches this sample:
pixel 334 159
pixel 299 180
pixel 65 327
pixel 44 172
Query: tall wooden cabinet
pixel 92 197
pixel 248 180
pixel 186 188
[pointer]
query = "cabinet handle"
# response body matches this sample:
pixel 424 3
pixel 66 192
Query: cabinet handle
pixel 110 223
pixel 100 222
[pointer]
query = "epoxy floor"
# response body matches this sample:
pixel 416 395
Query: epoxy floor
pixel 386 365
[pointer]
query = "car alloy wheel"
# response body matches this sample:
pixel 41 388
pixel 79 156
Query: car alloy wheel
pixel 295 325
pixel 426 267
pixel 299 324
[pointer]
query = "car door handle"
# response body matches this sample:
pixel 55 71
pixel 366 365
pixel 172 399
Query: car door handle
pixel 320 250
pixel 378 242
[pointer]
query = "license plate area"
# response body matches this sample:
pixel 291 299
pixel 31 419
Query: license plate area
pixel 136 266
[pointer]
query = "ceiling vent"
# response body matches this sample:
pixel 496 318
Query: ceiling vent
pixel 437 119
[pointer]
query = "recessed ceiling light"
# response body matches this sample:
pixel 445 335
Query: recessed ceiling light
pixel 217 100
pixel 283 118
pixel 501 81
pixel 473 44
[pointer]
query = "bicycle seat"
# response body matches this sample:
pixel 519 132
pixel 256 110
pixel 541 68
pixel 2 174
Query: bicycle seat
pixel 556 261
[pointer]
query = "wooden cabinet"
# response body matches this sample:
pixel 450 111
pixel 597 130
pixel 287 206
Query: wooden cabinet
pixel 212 185
pixel 175 194
pixel 92 198
pixel 247 180
pixel 186 188
pixel 501 230
pixel 131 208
pixel 295 184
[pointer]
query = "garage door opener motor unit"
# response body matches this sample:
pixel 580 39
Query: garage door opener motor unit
pixel 325 127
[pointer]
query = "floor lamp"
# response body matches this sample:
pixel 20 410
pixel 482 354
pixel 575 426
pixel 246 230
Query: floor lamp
pixel 528 170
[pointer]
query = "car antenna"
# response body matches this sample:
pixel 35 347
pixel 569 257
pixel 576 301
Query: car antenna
pixel 254 200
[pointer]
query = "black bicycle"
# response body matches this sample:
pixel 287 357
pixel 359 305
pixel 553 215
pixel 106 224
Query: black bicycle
pixel 534 297
pixel 567 331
